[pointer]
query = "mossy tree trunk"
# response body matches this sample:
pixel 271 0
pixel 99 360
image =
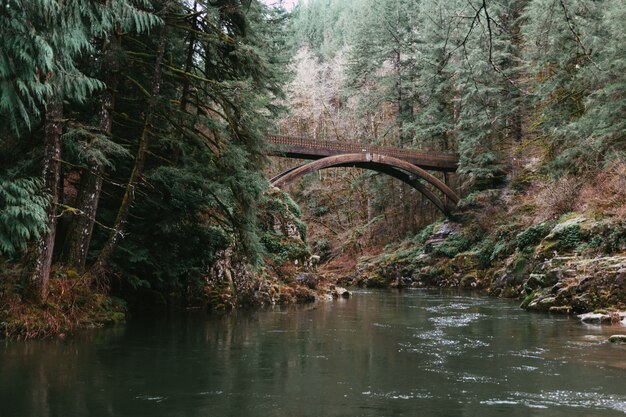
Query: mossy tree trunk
pixel 186 83
pixel 52 178
pixel 81 227
pixel 135 177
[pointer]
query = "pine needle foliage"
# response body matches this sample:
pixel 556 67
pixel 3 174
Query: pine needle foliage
pixel 22 214
pixel 40 42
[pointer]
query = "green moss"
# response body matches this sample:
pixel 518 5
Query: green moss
pixel 568 216
pixel 532 235
pixel 375 281
pixel 528 299
pixel 570 238
pixel 616 241
pixel 291 205
pixel 425 233
pixel 499 251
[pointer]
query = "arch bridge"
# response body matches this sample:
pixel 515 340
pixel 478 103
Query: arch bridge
pixel 407 165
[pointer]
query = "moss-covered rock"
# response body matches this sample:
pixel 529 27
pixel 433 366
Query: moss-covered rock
pixel 551 266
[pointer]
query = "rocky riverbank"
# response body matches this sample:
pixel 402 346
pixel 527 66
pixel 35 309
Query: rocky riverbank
pixel 230 282
pixel 573 264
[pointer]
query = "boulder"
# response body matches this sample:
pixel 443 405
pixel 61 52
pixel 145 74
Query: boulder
pixel 534 281
pixel 595 318
pixel 307 279
pixel 547 302
pixel 561 227
pixel 440 236
pixel 342 292
pixel 618 338
pixel 584 283
pixel 583 302
pixel 560 310
pixel 542 303
pixel 552 277
pixel 339 292
pixel 468 281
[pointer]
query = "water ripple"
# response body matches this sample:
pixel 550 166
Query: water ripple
pixel 151 398
pixel 395 395
pixel 575 399
pixel 455 321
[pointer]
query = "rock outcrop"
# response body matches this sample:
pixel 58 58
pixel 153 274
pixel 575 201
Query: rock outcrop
pixel 573 265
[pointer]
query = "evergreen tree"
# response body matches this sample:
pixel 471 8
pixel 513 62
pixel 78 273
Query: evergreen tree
pixel 488 73
pixel 44 40
pixel 435 76
pixel 207 131
pixel 96 147
pixel 601 128
pixel 382 53
pixel 560 53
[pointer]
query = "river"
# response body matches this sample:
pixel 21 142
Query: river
pixel 380 353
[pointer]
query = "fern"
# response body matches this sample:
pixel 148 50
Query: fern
pixel 22 214
pixel 40 43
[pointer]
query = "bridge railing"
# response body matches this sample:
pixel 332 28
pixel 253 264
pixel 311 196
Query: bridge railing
pixel 303 142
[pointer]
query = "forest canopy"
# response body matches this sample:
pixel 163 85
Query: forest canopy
pixel 131 135
pixel 132 131
pixel 528 89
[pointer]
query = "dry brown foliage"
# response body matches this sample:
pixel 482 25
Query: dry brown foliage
pixel 71 304
pixel 606 193
pixel 556 198
pixel 602 194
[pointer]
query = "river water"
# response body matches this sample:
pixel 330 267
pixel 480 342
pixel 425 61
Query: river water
pixel 411 353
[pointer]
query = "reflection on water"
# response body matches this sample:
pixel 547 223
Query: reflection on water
pixel 377 354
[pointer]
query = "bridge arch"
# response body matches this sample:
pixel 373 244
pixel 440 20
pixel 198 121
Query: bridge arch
pixel 397 168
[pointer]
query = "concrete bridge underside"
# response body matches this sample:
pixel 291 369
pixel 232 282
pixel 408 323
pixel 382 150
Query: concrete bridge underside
pixel 403 170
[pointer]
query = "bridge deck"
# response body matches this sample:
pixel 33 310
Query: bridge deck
pixel 303 148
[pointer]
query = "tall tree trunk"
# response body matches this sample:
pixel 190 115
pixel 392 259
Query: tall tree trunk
pixel 184 97
pixel 516 117
pixel 52 179
pixel 400 98
pixel 135 176
pixel 81 228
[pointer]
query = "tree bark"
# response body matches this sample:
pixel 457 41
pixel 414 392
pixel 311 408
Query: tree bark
pixel 137 172
pixel 81 228
pixel 184 97
pixel 400 98
pixel 52 178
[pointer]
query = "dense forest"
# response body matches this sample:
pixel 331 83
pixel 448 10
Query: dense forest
pixel 527 92
pixel 131 149
pixel 132 141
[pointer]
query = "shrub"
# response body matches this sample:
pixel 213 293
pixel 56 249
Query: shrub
pixel 322 248
pixel 558 197
pixel 607 192
pixel 453 246
pixel 616 241
pixel 570 238
pixel 533 235
pixel 425 233
pixel 499 250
